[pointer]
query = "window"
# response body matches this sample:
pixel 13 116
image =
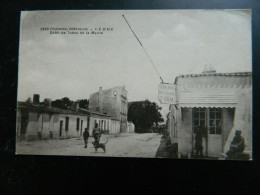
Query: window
pixel 214 121
pixel 199 118
pixel 210 118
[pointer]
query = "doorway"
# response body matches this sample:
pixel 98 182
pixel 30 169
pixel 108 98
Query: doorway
pixel 67 124
pixel 61 125
pixel 24 124
pixel 211 120
pixel 81 126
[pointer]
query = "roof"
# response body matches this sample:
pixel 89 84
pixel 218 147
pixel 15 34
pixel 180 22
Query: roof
pixel 233 74
pixel 45 109
pixel 94 112
pixel 222 90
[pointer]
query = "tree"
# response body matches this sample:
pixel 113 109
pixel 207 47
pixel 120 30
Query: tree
pixel 144 114
pixel 83 103
pixel 65 102
pixel 62 103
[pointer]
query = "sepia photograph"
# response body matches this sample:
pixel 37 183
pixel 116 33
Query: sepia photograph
pixel 171 84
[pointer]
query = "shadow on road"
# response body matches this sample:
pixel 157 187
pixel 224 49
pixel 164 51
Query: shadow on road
pixel 166 150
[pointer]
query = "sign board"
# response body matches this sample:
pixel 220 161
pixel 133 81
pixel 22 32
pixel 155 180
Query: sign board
pixel 166 93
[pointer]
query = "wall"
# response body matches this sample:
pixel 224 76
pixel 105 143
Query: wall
pixel 227 122
pixel 32 128
pixel 93 101
pixel 112 105
pixel 47 123
pixel 106 124
pixel 184 131
pixel 242 119
pixel 173 117
pixel 115 127
pixel 72 130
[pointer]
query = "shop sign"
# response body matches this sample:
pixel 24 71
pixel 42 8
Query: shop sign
pixel 166 93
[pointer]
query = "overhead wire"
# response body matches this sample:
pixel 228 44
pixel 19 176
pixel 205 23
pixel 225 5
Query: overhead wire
pixel 144 49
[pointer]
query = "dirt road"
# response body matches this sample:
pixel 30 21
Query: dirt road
pixel 121 145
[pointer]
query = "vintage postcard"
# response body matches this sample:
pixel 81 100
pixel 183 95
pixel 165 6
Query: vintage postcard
pixel 135 83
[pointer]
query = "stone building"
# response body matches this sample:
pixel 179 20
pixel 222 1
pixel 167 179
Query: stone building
pixel 42 121
pixel 220 102
pixel 113 102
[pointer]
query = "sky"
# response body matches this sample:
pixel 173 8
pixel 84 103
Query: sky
pixel 178 42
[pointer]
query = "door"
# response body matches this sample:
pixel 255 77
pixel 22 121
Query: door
pixel 61 125
pixel 81 127
pixel 67 124
pixel 24 124
pixel 211 120
pixel 24 121
pixel 88 122
pixel 214 131
pixel 200 119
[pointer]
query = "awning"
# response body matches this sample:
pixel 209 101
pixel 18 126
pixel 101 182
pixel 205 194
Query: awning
pixel 207 97
pixel 209 105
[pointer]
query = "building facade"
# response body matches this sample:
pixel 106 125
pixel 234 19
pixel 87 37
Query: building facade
pixel 219 102
pixel 112 102
pixel 42 121
pixel 130 127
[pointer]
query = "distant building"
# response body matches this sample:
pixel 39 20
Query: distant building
pixel 113 102
pixel 42 121
pixel 219 102
pixel 130 127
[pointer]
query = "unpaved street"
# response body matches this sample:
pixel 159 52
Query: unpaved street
pixel 121 145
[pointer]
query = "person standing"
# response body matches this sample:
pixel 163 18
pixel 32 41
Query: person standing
pixel 86 136
pixel 96 133
pixel 198 141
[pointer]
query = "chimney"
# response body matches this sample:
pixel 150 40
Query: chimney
pixel 47 102
pixel 100 102
pixel 209 69
pixel 36 98
pixel 29 100
pixel 100 90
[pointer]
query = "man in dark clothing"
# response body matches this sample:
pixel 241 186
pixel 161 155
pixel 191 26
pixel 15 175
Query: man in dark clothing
pixel 86 136
pixel 237 145
pixel 198 141
pixel 96 133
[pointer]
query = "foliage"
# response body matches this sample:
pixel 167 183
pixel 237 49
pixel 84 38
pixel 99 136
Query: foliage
pixel 83 103
pixel 144 114
pixel 65 103
pixel 62 103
